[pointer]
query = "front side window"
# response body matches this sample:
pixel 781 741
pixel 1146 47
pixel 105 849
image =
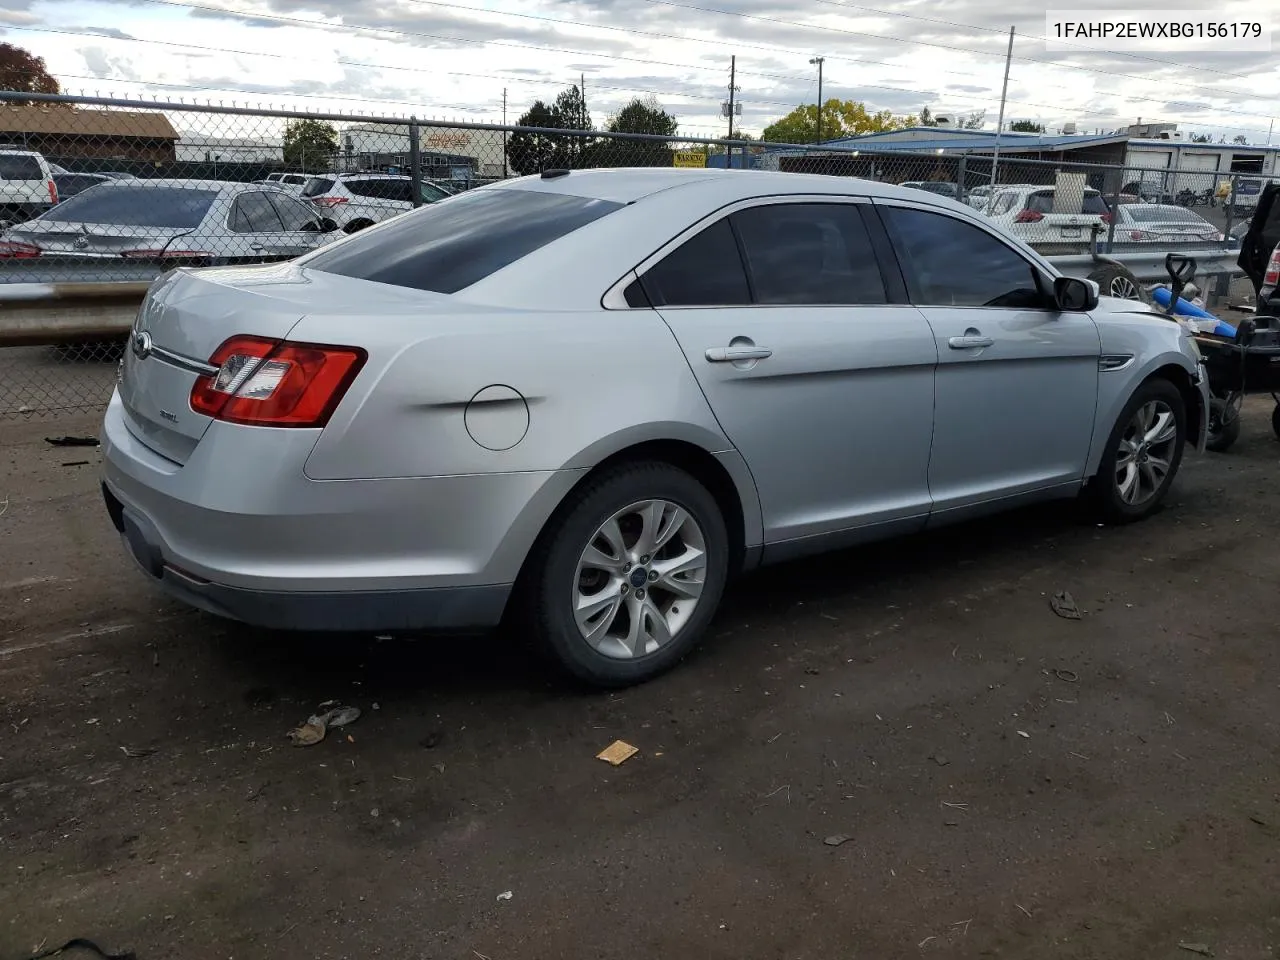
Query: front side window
pixel 809 253
pixel 1003 204
pixel 445 247
pixel 950 263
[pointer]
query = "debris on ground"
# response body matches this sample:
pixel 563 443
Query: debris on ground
pixel 617 753
pixel 136 753
pixel 76 463
pixel 1200 948
pixel 1064 605
pixel 505 895
pixel 438 767
pixel 319 724
pixel 1024 734
pixel 939 759
pixel 836 839
pixel 79 943
pixel 1258 820
pixel 72 441
pixel 432 739
pixel 1066 676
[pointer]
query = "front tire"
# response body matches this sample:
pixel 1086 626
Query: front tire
pixel 1142 454
pixel 627 576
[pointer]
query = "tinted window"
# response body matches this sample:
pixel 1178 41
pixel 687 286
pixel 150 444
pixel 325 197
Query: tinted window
pixel 317 186
pixel 1042 202
pixel 135 205
pixel 809 253
pixel 382 189
pixel 1003 204
pixel 704 271
pixel 293 214
pixel 1163 215
pixel 431 193
pixel 20 166
pixel 69 184
pixel 951 263
pixel 253 213
pixel 447 246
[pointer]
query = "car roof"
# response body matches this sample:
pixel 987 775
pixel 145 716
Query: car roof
pixel 629 184
pixel 25 153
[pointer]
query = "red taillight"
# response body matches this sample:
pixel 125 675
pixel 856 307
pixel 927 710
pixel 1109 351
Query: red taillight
pixel 1028 216
pixel 328 201
pixel 274 383
pixel 53 192
pixel 12 250
pixel 166 254
pixel 1272 277
pixel 1139 235
pixel 1105 218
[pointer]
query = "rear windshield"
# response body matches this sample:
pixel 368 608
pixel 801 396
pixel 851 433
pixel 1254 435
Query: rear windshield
pixel 135 205
pixel 1163 215
pixel 317 186
pixel 1042 202
pixel 20 166
pixel 450 245
pixel 937 186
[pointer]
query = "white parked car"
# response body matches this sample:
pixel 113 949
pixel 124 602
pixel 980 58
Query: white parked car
pixel 26 186
pixel 293 182
pixel 358 200
pixel 1028 213
pixel 1162 223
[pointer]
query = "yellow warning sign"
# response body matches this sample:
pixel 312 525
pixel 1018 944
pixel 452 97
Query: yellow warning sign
pixel 689 159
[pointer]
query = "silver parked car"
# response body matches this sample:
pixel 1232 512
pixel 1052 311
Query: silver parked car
pixel 585 399
pixel 174 221
pixel 1162 223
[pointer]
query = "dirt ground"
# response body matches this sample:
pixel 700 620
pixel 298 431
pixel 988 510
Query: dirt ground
pixel 1012 784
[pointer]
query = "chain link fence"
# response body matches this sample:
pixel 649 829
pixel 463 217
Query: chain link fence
pixel 100 191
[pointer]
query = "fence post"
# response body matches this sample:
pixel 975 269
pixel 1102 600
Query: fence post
pixel 1115 212
pixel 415 162
pixel 961 179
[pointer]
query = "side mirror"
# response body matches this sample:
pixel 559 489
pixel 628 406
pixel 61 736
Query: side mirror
pixel 1073 294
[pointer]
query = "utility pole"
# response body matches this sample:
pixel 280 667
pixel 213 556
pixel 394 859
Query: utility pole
pixel 733 72
pixel 504 133
pixel 819 62
pixel 1004 92
pixel 582 90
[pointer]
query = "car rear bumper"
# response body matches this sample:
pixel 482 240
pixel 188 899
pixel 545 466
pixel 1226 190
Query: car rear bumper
pixel 239 531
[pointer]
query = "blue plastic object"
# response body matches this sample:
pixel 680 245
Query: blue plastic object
pixel 1162 295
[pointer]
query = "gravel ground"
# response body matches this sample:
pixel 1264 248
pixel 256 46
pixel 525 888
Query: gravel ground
pixel 1011 783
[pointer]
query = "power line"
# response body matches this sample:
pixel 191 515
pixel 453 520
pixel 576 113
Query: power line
pixel 347 26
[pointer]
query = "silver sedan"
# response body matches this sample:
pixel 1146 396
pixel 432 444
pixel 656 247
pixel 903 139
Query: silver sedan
pixel 582 400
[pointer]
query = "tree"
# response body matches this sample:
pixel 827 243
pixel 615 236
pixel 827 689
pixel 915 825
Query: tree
pixel 926 118
pixel 840 118
pixel 1026 126
pixel 1240 138
pixel 309 144
pixel 531 152
pixel 24 71
pixel 975 121
pixel 639 116
pixel 1201 138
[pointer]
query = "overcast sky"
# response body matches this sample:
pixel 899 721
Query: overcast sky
pixel 453 60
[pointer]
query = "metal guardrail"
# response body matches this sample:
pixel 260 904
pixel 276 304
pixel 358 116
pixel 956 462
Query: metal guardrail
pixel 81 305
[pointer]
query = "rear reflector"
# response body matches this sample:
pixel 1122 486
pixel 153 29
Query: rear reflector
pixel 1271 279
pixel 274 383
pixel 12 250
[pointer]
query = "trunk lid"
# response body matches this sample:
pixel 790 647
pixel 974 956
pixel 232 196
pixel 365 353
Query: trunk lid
pixel 188 314
pixel 94 239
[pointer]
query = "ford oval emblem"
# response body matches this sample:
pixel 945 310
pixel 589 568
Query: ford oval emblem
pixel 142 344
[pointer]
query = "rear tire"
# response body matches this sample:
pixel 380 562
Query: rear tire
pixel 1142 454
pixel 1223 433
pixel 356 226
pixel 606 611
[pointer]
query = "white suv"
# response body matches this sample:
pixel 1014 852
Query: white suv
pixel 1028 212
pixel 358 200
pixel 26 186
pixel 293 182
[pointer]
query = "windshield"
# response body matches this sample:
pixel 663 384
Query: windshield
pixel 135 205
pixel 19 166
pixel 450 245
pixel 317 186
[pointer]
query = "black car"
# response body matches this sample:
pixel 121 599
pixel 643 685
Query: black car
pixel 1258 249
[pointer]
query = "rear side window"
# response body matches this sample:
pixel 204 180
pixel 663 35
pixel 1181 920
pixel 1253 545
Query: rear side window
pixel 954 264
pixel 447 246
pixel 253 213
pixel 382 189
pixel 317 187
pixel 1042 202
pixel 294 214
pixel 135 206
pixel 20 166
pixel 809 253
pixel 704 271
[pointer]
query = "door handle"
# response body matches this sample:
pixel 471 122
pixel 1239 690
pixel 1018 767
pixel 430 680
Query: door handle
pixel 734 354
pixel 257 248
pixel 969 342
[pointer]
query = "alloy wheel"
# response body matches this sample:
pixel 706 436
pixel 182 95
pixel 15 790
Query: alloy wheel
pixel 639 579
pixel 1124 289
pixel 1146 452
